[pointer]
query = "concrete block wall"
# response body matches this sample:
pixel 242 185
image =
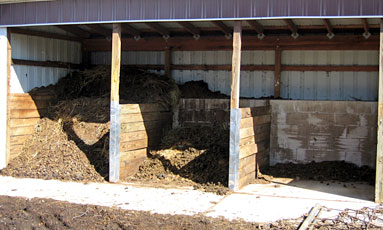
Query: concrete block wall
pixel 305 131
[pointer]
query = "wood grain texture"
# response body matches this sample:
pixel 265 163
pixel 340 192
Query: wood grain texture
pixel 254 121
pixel 141 117
pixel 142 108
pixel 236 65
pixel 116 63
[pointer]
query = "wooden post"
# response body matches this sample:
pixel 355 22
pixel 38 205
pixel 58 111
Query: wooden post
pixel 235 114
pixel 4 73
pixel 277 73
pixel 168 60
pixel 9 66
pixel 115 109
pixel 379 152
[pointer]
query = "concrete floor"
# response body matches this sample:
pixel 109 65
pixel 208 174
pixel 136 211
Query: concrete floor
pixel 283 199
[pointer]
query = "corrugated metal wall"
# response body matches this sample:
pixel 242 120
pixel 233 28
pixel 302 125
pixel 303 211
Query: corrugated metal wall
pixel 330 85
pixel 306 85
pixel 25 78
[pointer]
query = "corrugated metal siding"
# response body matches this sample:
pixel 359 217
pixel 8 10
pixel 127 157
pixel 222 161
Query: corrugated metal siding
pixel 307 85
pixel 25 78
pixel 330 85
pixel 78 11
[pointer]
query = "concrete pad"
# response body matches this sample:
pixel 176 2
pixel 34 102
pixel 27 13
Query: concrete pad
pixel 254 203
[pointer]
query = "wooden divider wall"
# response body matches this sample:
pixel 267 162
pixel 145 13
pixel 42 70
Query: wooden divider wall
pixel 142 127
pixel 25 111
pixel 254 142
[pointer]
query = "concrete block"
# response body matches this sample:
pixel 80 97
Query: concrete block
pixel 296 118
pixel 369 158
pixel 285 106
pixel 309 155
pixel 368 120
pixel 320 119
pixel 354 157
pixel 320 142
pixel 346 145
pixel 281 155
pixel 347 119
pixel 357 132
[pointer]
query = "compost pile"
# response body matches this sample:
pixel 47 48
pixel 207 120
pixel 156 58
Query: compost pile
pixel 323 171
pixel 72 141
pixel 199 89
pixel 194 155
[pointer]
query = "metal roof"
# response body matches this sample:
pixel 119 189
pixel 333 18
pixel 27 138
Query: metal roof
pixel 109 11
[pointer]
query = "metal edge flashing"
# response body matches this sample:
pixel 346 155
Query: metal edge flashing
pixel 114 141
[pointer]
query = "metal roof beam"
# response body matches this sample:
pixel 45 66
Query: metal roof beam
pixel 159 29
pixel 75 31
pixel 366 28
pixel 224 28
pixel 328 26
pixel 97 29
pixel 292 27
pixel 191 29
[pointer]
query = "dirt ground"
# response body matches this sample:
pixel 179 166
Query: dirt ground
pixel 47 214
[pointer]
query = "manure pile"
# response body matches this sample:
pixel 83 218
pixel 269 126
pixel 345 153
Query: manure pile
pixel 195 156
pixel 72 141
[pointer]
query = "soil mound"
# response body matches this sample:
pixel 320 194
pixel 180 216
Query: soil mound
pixel 324 171
pixel 194 155
pixel 199 89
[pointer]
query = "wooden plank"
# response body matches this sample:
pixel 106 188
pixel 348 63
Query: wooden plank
pixel 255 139
pixel 15 97
pixel 379 152
pixel 26 113
pixel 9 71
pixel 247 160
pixel 29 104
pixel 116 63
pixel 254 111
pixel 23 122
pixel 328 68
pixel 15 150
pixel 54 64
pixel 142 126
pixel 277 73
pixel 248 150
pixel 247 179
pixel 130 168
pixel 254 121
pixel 248 132
pixel 20 131
pixel 139 144
pixel 134 136
pixel 236 65
pixel 19 140
pixel 248 168
pixel 142 108
pixel 132 155
pixel 152 116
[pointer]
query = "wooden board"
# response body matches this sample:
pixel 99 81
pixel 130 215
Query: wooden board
pixel 379 152
pixel 246 169
pixel 26 96
pixel 20 131
pixel 19 140
pixel 139 144
pixel 254 121
pixel 136 117
pixel 26 113
pixel 133 136
pixel 254 139
pixel 254 111
pixel 247 160
pixel 248 150
pixel 142 126
pixel 21 122
pixel 142 108
pixel 132 155
pixel 248 132
pixel 247 179
pixel 130 168
pixel 29 104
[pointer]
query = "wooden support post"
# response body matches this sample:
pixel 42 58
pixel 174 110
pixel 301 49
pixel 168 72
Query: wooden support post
pixel 379 152
pixel 168 60
pixel 115 109
pixel 235 113
pixel 4 73
pixel 277 73
pixel 9 66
